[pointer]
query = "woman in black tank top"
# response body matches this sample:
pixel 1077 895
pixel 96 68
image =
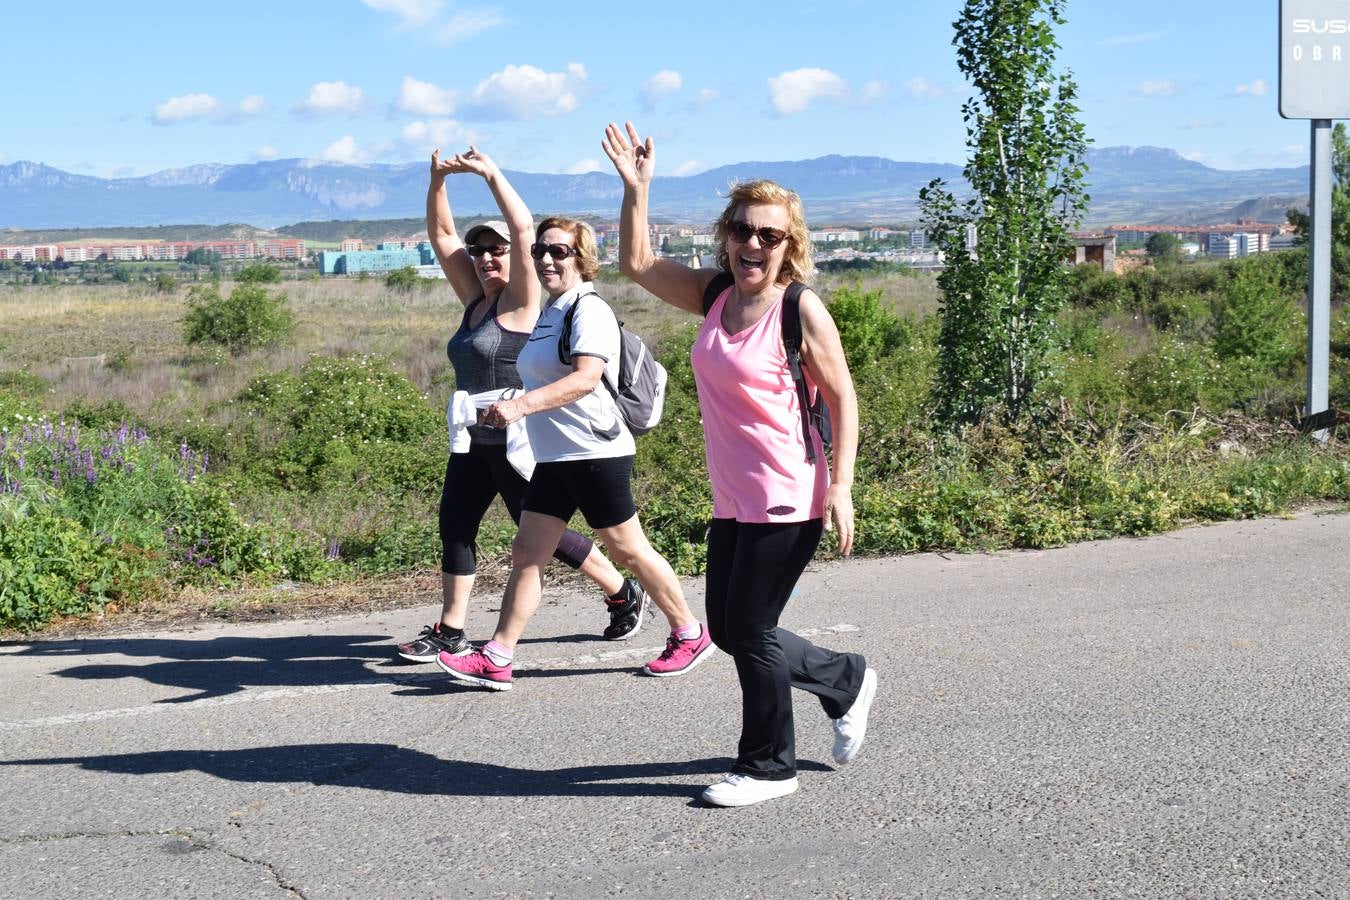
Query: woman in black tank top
pixel 499 314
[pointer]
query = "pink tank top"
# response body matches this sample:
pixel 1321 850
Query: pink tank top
pixel 752 424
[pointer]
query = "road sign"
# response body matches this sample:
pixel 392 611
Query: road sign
pixel 1315 59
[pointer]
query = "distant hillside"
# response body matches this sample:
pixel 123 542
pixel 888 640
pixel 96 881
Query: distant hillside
pixel 146 233
pixel 1127 184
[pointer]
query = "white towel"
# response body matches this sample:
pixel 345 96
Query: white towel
pixel 462 411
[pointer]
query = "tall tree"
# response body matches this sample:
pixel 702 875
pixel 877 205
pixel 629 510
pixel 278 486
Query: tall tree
pixel 1003 289
pixel 1163 247
pixel 1340 212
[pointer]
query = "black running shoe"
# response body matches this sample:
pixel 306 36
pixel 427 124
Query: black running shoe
pixel 626 614
pixel 430 642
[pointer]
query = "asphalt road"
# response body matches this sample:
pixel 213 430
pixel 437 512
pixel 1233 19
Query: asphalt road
pixel 1166 717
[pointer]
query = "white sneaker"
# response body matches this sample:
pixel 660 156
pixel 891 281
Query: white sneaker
pixel 736 789
pixel 851 728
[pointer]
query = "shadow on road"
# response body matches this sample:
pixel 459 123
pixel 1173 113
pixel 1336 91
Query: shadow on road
pixel 393 769
pixel 227 665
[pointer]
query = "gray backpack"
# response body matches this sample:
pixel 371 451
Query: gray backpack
pixel 641 391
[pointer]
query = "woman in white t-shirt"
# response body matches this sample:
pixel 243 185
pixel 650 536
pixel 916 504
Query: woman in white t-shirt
pixel 583 461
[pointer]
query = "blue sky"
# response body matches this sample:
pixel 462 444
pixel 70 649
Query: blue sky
pixel 129 89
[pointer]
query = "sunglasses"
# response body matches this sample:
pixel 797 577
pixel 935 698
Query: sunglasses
pixel 769 238
pixel 559 252
pixel 477 250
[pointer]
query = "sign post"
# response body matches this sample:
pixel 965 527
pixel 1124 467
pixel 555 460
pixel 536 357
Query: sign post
pixel 1315 84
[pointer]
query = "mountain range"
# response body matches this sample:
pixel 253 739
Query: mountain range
pixel 1127 184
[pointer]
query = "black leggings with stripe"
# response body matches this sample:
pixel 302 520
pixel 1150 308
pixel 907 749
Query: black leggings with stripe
pixel 472 480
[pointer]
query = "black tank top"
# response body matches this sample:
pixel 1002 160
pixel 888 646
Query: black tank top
pixel 484 359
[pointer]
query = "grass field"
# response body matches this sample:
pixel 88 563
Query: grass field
pixel 326 450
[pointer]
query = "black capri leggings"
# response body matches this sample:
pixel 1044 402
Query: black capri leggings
pixel 471 481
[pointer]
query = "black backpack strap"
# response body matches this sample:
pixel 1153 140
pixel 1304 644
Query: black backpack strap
pixel 565 340
pixel 565 335
pixel 792 345
pixel 721 281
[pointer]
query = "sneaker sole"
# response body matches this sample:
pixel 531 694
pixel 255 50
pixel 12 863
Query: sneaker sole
pixel 431 657
pixel 704 654
pixel 643 611
pixel 473 680
pixel 733 802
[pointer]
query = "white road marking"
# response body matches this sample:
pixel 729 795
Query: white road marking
pixel 436 677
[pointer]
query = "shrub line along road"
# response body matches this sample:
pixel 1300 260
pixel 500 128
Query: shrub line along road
pixel 1157 717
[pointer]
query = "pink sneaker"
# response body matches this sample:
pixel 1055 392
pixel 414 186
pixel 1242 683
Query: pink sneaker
pixel 476 669
pixel 680 656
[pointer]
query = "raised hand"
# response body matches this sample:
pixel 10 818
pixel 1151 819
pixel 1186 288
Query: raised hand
pixel 440 167
pixel 475 161
pixel 633 159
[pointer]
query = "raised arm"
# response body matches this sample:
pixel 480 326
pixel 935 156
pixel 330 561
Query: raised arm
pixel 676 284
pixel 522 290
pixel 445 242
pixel 823 354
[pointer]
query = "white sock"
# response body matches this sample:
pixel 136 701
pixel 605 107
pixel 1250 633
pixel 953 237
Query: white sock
pixel 500 654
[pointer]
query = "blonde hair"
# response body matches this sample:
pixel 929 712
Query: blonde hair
pixel 798 264
pixel 583 238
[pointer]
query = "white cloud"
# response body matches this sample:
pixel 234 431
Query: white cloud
pixel 412 12
pixel 1159 87
pixel 447 134
pixel 266 151
pixel 921 88
pixel 689 167
pixel 1123 39
pixel 583 166
pixel 343 150
pixel 188 106
pixel 467 24
pixel 703 98
pixel 792 92
pixel 526 92
pixel 333 97
pixel 873 92
pixel 252 105
pixel 422 98
pixel 1257 88
pixel 660 85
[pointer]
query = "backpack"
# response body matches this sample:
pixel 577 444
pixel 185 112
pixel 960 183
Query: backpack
pixel 812 413
pixel 641 391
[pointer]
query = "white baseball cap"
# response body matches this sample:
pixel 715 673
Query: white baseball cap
pixel 495 226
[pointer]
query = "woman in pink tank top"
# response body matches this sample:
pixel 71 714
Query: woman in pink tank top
pixel 773 493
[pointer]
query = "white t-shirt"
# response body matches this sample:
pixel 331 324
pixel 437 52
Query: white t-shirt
pixel 591 427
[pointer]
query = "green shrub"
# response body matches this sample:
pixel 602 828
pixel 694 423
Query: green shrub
pixel 258 273
pixel 1176 374
pixel 1256 328
pixel 92 516
pixel 23 382
pixel 406 280
pixel 350 420
pixel 250 317
pixel 867 329
pixel 165 283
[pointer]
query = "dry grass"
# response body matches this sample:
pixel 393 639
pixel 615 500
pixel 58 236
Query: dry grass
pixel 117 342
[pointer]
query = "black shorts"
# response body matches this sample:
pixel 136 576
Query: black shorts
pixel 601 488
